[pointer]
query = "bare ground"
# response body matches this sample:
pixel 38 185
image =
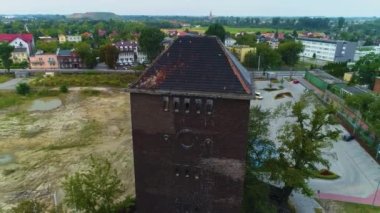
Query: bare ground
pixel 47 146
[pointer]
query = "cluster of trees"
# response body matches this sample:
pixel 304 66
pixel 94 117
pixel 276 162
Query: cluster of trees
pixel 287 54
pixel 369 107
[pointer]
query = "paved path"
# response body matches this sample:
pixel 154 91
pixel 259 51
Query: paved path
pixel 11 84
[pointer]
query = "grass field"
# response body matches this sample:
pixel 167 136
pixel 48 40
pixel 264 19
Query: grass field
pixel 6 77
pixel 359 208
pixel 87 80
pixel 234 30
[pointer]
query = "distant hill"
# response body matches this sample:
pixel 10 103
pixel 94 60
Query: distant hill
pixel 95 16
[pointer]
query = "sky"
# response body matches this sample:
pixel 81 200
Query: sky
pixel 334 8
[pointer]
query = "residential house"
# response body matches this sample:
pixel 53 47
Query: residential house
pixel 20 55
pixel 69 38
pixel 129 53
pixel 44 62
pixel 74 38
pixel 86 35
pixel 229 42
pixel 47 39
pixel 19 41
pixel 69 59
pixel 328 50
pixel 62 39
pixel 241 51
pixel 102 33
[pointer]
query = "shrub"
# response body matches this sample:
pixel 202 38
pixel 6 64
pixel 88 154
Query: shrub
pixel 23 89
pixel 63 89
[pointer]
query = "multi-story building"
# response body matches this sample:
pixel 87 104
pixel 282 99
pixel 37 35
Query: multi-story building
pixel 328 50
pixel 366 50
pixel 19 41
pixel 189 126
pixel 69 59
pixel 44 62
pixel 129 53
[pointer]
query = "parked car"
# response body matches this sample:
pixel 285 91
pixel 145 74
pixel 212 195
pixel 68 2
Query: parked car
pixel 348 137
pixel 296 81
pixel 258 96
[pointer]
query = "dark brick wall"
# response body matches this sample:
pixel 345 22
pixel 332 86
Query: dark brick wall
pixel 376 88
pixel 189 162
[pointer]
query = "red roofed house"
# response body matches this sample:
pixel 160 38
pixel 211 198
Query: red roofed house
pixel 19 41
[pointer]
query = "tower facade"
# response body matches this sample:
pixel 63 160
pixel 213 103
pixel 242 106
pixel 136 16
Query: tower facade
pixel 189 124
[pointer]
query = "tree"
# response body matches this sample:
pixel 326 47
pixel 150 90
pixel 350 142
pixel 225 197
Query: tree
pixel 268 57
pixel 94 190
pixel 109 54
pixel 5 55
pixel 300 146
pixel 360 102
pixel 295 34
pixel 341 22
pixel 217 30
pixel 23 89
pixel 87 54
pixel 246 39
pixel 150 42
pixel 368 68
pixel 290 51
pixel 336 69
pixel 47 47
pixel 260 148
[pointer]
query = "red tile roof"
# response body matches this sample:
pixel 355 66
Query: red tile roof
pixel 28 38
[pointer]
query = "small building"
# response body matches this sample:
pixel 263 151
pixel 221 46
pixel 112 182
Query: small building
pixel 229 42
pixel 74 38
pixel 69 59
pixel 348 76
pixel 376 88
pixel 328 50
pixel 47 39
pixel 353 90
pixel 20 55
pixel 241 51
pixel 321 79
pixel 22 74
pixel 44 62
pixel 62 39
pixel 190 114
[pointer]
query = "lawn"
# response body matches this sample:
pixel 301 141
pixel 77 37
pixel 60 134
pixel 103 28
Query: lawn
pixel 6 77
pixel 234 30
pixel 359 208
pixel 86 80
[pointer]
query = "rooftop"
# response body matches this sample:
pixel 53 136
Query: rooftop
pixel 196 65
pixel 321 40
pixel 10 37
pixel 326 77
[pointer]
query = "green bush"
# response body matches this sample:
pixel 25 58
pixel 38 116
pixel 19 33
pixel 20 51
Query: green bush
pixel 63 89
pixel 23 89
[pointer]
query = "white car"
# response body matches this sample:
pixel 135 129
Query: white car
pixel 258 96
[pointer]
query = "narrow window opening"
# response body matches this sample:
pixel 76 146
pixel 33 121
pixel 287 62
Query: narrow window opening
pixel 176 104
pixel 198 105
pixel 166 104
pixel 187 173
pixel 177 172
pixel 187 105
pixel 209 106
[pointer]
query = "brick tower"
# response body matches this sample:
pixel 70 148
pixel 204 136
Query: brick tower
pixel 190 120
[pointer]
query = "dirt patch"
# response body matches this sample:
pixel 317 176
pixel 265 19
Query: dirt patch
pixel 47 146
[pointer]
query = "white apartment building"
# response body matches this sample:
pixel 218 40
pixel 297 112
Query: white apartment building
pixel 328 50
pixel 129 53
pixel 365 50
